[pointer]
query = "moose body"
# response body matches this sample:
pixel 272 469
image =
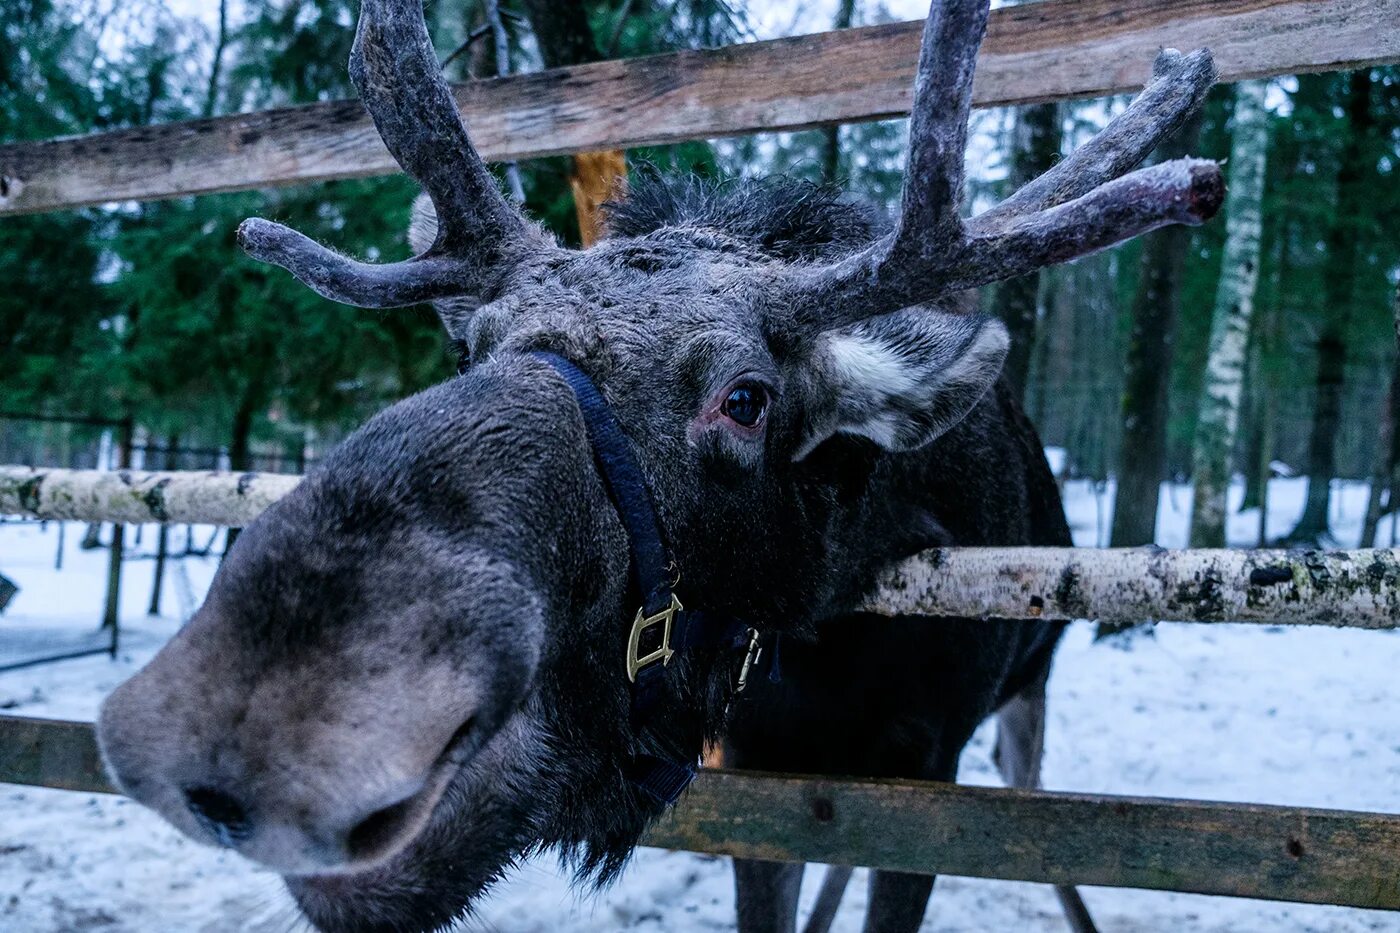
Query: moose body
pixel 418 667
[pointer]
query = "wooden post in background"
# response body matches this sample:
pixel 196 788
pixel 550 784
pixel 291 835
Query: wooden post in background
pixel 597 177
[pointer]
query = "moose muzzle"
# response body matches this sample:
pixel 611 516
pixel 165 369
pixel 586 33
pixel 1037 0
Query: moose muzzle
pixel 311 761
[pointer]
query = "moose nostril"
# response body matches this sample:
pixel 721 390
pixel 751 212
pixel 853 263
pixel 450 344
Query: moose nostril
pixel 377 831
pixel 219 813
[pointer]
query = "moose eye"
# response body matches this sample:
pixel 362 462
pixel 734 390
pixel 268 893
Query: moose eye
pixel 746 404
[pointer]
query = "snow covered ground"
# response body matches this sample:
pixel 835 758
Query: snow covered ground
pixel 1250 713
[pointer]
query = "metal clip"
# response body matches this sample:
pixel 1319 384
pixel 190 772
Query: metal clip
pixel 664 618
pixel 750 659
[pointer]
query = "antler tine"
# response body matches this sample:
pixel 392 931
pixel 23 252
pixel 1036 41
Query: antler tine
pixel 396 71
pixel 889 272
pixel 933 177
pixel 1184 191
pixel 1079 207
pixel 1178 86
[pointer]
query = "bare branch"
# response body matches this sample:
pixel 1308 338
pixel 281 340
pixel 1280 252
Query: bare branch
pixel 397 74
pixel 1179 85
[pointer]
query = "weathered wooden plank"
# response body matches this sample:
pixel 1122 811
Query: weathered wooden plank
pixel 1276 853
pixel 1051 50
pixel 1243 850
pixel 51 753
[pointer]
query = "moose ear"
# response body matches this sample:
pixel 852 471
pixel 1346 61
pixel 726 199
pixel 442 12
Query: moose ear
pixel 902 379
pixel 422 231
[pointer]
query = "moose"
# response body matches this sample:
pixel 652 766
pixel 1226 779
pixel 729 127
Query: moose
pixel 508 614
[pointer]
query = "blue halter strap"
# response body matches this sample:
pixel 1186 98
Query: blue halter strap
pixel 663 627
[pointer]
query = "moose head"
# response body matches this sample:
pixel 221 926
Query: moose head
pixel 418 667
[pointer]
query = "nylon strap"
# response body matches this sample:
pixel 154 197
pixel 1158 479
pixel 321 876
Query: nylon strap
pixel 651 571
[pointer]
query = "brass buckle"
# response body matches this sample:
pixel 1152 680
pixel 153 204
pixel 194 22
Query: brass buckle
pixel 634 641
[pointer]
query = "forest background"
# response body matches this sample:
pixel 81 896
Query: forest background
pixel 139 333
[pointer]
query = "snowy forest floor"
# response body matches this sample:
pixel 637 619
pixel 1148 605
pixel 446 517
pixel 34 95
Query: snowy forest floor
pixel 1216 712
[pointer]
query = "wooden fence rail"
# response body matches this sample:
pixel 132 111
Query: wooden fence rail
pixel 1275 853
pixel 1050 50
pixel 1356 589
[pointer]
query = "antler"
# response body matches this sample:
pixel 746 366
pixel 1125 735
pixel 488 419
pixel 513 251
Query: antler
pixel 1084 204
pixel 396 71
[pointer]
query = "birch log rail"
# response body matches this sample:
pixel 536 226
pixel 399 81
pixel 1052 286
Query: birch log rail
pixel 134 497
pixel 1353 589
pixel 1051 50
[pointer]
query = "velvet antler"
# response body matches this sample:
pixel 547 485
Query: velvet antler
pixel 1084 204
pixel 396 72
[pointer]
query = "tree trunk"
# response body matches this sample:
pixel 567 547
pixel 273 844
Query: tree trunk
pixel 211 96
pixel 1268 418
pixel 565 38
pixel 1039 134
pixel 1229 328
pixel 562 31
pixel 1263 404
pixel 1339 290
pixel 831 142
pixel 162 535
pixel 1142 455
pixel 1384 462
pixel 1254 396
pixel 111 612
pixel 1042 350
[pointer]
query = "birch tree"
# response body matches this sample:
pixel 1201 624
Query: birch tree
pixel 1218 421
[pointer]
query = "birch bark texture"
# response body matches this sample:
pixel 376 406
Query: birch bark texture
pixel 231 499
pixel 1219 413
pixel 1355 589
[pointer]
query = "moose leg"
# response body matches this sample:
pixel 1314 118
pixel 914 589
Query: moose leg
pixel 1018 752
pixel 767 895
pixel 897 901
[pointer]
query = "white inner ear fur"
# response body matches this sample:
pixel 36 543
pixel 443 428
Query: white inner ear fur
pixel 905 380
pixel 865 361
